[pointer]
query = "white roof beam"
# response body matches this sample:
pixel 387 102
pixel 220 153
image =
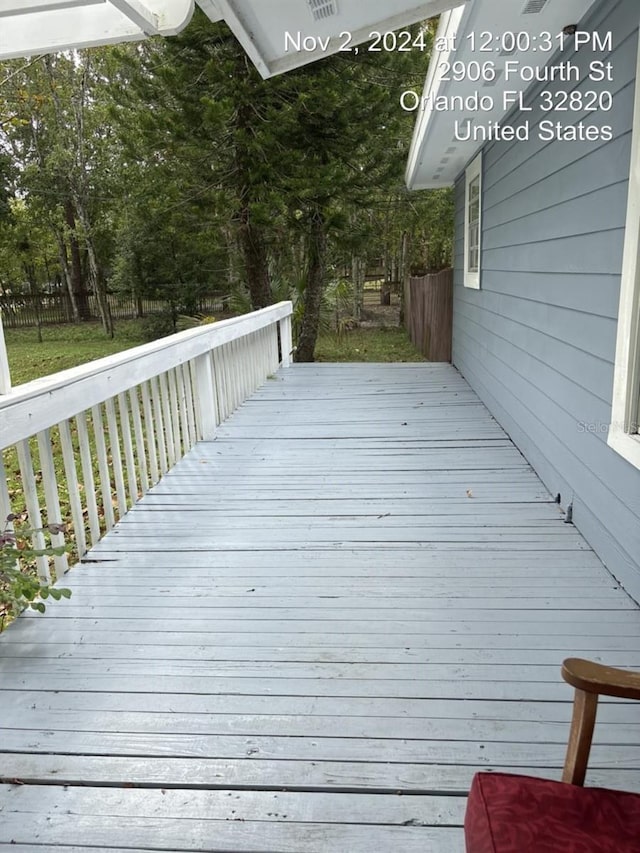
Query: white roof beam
pixel 138 15
pixel 19 7
pixel 30 27
pixel 211 10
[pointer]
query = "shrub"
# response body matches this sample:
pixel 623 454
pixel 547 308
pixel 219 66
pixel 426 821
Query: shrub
pixel 19 584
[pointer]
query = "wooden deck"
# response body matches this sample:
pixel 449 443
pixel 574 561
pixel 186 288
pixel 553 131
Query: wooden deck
pixel 311 634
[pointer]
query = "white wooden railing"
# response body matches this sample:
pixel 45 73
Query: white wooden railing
pixel 107 431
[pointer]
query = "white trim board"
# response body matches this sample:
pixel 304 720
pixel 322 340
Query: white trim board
pixel 473 171
pixel 623 434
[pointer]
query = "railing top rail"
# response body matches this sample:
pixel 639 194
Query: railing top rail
pixel 38 405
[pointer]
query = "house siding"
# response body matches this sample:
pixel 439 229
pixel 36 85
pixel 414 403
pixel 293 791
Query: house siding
pixel 537 341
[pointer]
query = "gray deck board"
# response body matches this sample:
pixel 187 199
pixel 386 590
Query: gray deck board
pixel 311 634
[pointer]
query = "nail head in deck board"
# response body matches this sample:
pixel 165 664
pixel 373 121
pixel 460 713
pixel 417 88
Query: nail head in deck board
pixel 393 621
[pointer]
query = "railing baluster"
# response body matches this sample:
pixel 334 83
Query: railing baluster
pixel 263 360
pixel 5 500
pixel 175 414
pixel 286 341
pixel 103 466
pixel 32 503
pixel 272 336
pixel 88 478
pixel 159 425
pixel 150 430
pixel 51 498
pixel 187 381
pixel 116 458
pixel 235 369
pixel 262 367
pixel 274 361
pixel 141 456
pixel 242 355
pixel 166 414
pixel 221 383
pixel 71 475
pixel 255 363
pixel 226 379
pixel 245 357
pixel 205 383
pixel 182 408
pixel 127 443
pixel 271 350
pixel 226 373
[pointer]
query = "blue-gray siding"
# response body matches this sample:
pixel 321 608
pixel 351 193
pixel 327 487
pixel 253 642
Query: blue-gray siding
pixel 537 342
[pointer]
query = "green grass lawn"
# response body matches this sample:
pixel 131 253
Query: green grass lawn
pixel 69 345
pixel 63 347
pixel 383 344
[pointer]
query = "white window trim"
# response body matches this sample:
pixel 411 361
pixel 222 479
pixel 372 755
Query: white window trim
pixel 623 434
pixel 473 170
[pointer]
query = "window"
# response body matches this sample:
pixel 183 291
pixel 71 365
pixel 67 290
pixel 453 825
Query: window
pixel 473 223
pixel 624 432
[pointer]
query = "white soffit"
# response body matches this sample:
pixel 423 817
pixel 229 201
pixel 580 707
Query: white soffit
pixel 436 157
pixel 30 27
pixel 261 26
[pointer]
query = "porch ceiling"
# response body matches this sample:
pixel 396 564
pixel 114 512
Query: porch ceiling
pixel 262 28
pixel 437 156
pixel 30 27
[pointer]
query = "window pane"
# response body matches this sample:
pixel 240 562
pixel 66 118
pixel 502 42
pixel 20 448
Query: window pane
pixel 473 235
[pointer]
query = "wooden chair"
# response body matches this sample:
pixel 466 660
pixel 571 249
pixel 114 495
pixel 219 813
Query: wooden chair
pixel 507 813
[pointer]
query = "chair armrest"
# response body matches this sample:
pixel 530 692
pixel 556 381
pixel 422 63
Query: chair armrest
pixel 595 678
pixel 590 680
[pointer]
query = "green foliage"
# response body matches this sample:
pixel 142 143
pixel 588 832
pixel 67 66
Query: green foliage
pixel 6 170
pixel 158 326
pixel 372 345
pixel 166 323
pixel 169 167
pixel 19 585
pixel 339 300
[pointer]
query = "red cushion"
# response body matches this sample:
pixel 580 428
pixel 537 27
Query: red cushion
pixel 520 814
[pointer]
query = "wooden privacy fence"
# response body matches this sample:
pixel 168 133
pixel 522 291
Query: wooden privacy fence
pixel 428 314
pixel 24 310
pixel 105 432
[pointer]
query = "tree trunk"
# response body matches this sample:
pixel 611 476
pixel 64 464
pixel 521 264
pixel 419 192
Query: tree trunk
pixel 256 260
pixel 96 279
pixel 234 260
pixel 30 274
pixel 404 274
pixel 78 284
pixel 357 281
pixel 101 293
pixel 66 276
pixel 314 288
